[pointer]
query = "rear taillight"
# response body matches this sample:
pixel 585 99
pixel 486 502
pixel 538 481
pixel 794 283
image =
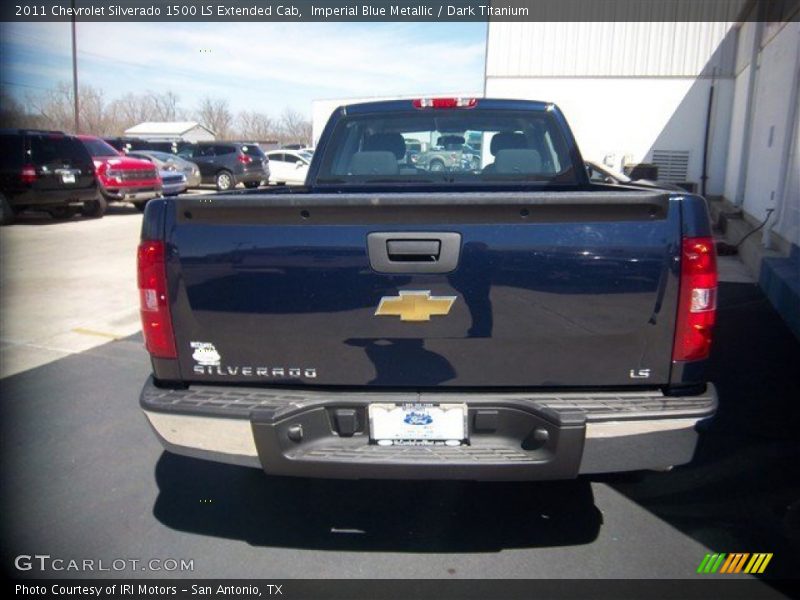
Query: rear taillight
pixel 697 303
pixel 153 302
pixel 28 174
pixel 444 102
pixel 244 159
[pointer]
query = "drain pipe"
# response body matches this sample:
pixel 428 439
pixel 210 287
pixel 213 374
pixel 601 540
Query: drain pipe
pixel 707 135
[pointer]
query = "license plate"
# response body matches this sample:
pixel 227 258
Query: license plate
pixel 68 177
pixel 418 423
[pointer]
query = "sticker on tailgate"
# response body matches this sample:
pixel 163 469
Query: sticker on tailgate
pixel 205 353
pixel 209 362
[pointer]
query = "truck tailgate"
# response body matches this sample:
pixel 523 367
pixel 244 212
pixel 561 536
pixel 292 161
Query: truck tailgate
pixel 547 289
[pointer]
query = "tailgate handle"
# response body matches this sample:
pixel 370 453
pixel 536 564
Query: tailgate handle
pixel 414 251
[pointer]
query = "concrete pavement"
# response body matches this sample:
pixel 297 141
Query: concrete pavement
pixel 84 477
pixel 66 287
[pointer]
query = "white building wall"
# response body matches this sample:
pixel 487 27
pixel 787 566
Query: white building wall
pixel 626 88
pixel 198 134
pixel 608 49
pixel 737 135
pixel 321 111
pixel 788 219
pixel 744 49
pixel 773 120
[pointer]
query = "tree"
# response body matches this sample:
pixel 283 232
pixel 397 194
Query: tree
pixel 14 114
pixel 215 114
pixel 164 106
pixel 256 126
pixel 55 108
pixel 295 128
pixel 132 109
pixel 95 117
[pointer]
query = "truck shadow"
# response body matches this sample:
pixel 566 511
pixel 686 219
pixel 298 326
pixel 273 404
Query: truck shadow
pixel 402 516
pixel 741 493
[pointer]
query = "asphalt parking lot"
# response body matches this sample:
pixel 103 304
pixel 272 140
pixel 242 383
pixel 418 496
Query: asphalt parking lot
pixel 83 476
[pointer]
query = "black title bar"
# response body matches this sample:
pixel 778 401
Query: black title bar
pixel 731 588
pixel 398 10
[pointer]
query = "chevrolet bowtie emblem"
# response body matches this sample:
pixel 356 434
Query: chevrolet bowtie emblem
pixel 414 306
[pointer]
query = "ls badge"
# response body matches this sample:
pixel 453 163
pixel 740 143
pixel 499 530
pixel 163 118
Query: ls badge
pixel 414 306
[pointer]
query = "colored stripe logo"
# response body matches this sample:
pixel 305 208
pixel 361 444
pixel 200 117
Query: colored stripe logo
pixel 737 562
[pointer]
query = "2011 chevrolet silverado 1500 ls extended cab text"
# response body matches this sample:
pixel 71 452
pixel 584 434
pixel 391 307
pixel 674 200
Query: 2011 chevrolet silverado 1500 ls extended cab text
pixel 507 320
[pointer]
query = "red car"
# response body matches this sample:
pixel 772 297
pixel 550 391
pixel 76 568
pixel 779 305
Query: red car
pixel 122 178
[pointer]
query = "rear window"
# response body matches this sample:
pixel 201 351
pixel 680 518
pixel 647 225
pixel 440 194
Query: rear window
pixel 169 147
pixel 252 150
pixel 162 155
pixel 11 151
pixel 117 143
pixel 49 149
pixel 98 148
pixel 448 146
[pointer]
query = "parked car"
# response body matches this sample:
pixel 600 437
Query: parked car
pixel 413 150
pixel 170 147
pixel 173 181
pixel 226 164
pixel 48 171
pixel 451 153
pixel 288 166
pixel 125 144
pixel 171 162
pixel 516 323
pixel 121 178
pixel 130 144
pixel 599 173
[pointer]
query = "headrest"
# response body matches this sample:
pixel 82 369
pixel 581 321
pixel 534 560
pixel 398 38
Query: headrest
pixel 514 161
pixel 379 162
pixel 387 142
pixel 508 140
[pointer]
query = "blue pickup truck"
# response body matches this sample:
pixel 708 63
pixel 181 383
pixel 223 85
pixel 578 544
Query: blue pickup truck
pixel 508 320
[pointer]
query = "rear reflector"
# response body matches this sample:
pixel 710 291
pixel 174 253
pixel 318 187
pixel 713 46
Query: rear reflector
pixel 697 303
pixel 153 302
pixel 444 102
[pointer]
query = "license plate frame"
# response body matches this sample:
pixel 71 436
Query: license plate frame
pixel 418 423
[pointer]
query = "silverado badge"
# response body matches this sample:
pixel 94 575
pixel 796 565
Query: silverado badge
pixel 414 306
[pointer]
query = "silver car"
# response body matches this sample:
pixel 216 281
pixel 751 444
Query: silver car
pixel 171 162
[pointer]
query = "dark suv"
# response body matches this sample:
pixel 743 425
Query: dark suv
pixel 46 170
pixel 130 144
pixel 227 163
